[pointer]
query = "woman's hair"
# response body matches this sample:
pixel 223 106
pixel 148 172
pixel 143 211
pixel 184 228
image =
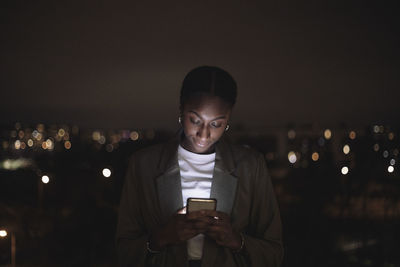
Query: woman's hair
pixel 207 80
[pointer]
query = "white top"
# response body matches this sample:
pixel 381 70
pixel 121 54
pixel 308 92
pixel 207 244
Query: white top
pixel 196 176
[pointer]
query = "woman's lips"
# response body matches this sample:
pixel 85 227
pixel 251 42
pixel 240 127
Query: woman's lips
pixel 200 144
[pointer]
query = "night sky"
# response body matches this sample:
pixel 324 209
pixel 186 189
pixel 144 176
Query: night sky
pixel 120 64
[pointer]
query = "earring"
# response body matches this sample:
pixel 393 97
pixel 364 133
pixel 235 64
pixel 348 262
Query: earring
pixel 179 120
pixel 227 127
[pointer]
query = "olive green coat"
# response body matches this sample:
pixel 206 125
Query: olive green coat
pixel 241 184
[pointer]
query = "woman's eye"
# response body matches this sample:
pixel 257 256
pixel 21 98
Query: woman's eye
pixel 216 124
pixel 194 121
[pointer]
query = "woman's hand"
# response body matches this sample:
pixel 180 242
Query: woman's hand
pixel 180 228
pixel 220 229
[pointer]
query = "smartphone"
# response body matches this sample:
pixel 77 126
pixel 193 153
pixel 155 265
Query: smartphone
pixel 194 204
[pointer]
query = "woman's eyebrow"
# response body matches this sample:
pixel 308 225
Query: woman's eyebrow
pixel 217 118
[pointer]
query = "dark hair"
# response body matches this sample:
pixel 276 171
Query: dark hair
pixel 207 80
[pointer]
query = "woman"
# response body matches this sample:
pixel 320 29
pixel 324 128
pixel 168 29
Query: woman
pixel 245 230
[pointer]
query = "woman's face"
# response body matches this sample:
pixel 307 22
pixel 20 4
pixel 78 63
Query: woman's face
pixel 204 120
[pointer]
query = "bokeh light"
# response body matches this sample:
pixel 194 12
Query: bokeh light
pixel 96 135
pixel 376 147
pixel 134 136
pixel 346 149
pixel 352 135
pixel 17 144
pixel 390 169
pixel 30 142
pixel 49 144
pixel 385 154
pixel 291 134
pixel 345 170
pixel 67 145
pixel 106 172
pixel 3 233
pixel 328 134
pixel 292 157
pixel 315 156
pixel 109 147
pixel 61 132
pixel 102 139
pixel 45 179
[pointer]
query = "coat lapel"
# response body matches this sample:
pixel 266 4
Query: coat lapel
pixel 169 192
pixel 223 189
pixel 223 186
pixel 168 184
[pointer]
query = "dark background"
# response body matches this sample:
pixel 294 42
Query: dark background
pixel 116 67
pixel 121 63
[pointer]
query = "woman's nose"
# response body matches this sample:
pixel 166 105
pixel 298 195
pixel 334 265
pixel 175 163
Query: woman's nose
pixel 203 132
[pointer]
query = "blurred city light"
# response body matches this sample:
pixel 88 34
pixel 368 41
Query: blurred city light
pixel 106 172
pixel 49 144
pixel 292 157
pixel 352 135
pixel 376 129
pixel 346 149
pixel 102 139
pixel 385 154
pixel 45 179
pixel 376 147
pixel 392 161
pixel 61 132
pixel 390 169
pixel 345 170
pixel 96 135
pixel 315 156
pixel 17 144
pixel 15 164
pixel 40 127
pixel 134 136
pixel 30 142
pixel 327 134
pixel 67 145
pixel 109 147
pixel 3 233
pixel 291 134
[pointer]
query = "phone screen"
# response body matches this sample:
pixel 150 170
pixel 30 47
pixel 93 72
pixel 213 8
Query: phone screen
pixel 194 204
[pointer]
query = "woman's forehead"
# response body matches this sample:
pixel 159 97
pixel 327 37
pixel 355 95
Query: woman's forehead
pixel 207 103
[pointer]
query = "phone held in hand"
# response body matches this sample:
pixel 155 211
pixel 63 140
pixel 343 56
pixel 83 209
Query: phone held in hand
pixel 194 204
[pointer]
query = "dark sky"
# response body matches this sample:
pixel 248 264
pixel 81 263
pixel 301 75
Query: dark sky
pixel 120 64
